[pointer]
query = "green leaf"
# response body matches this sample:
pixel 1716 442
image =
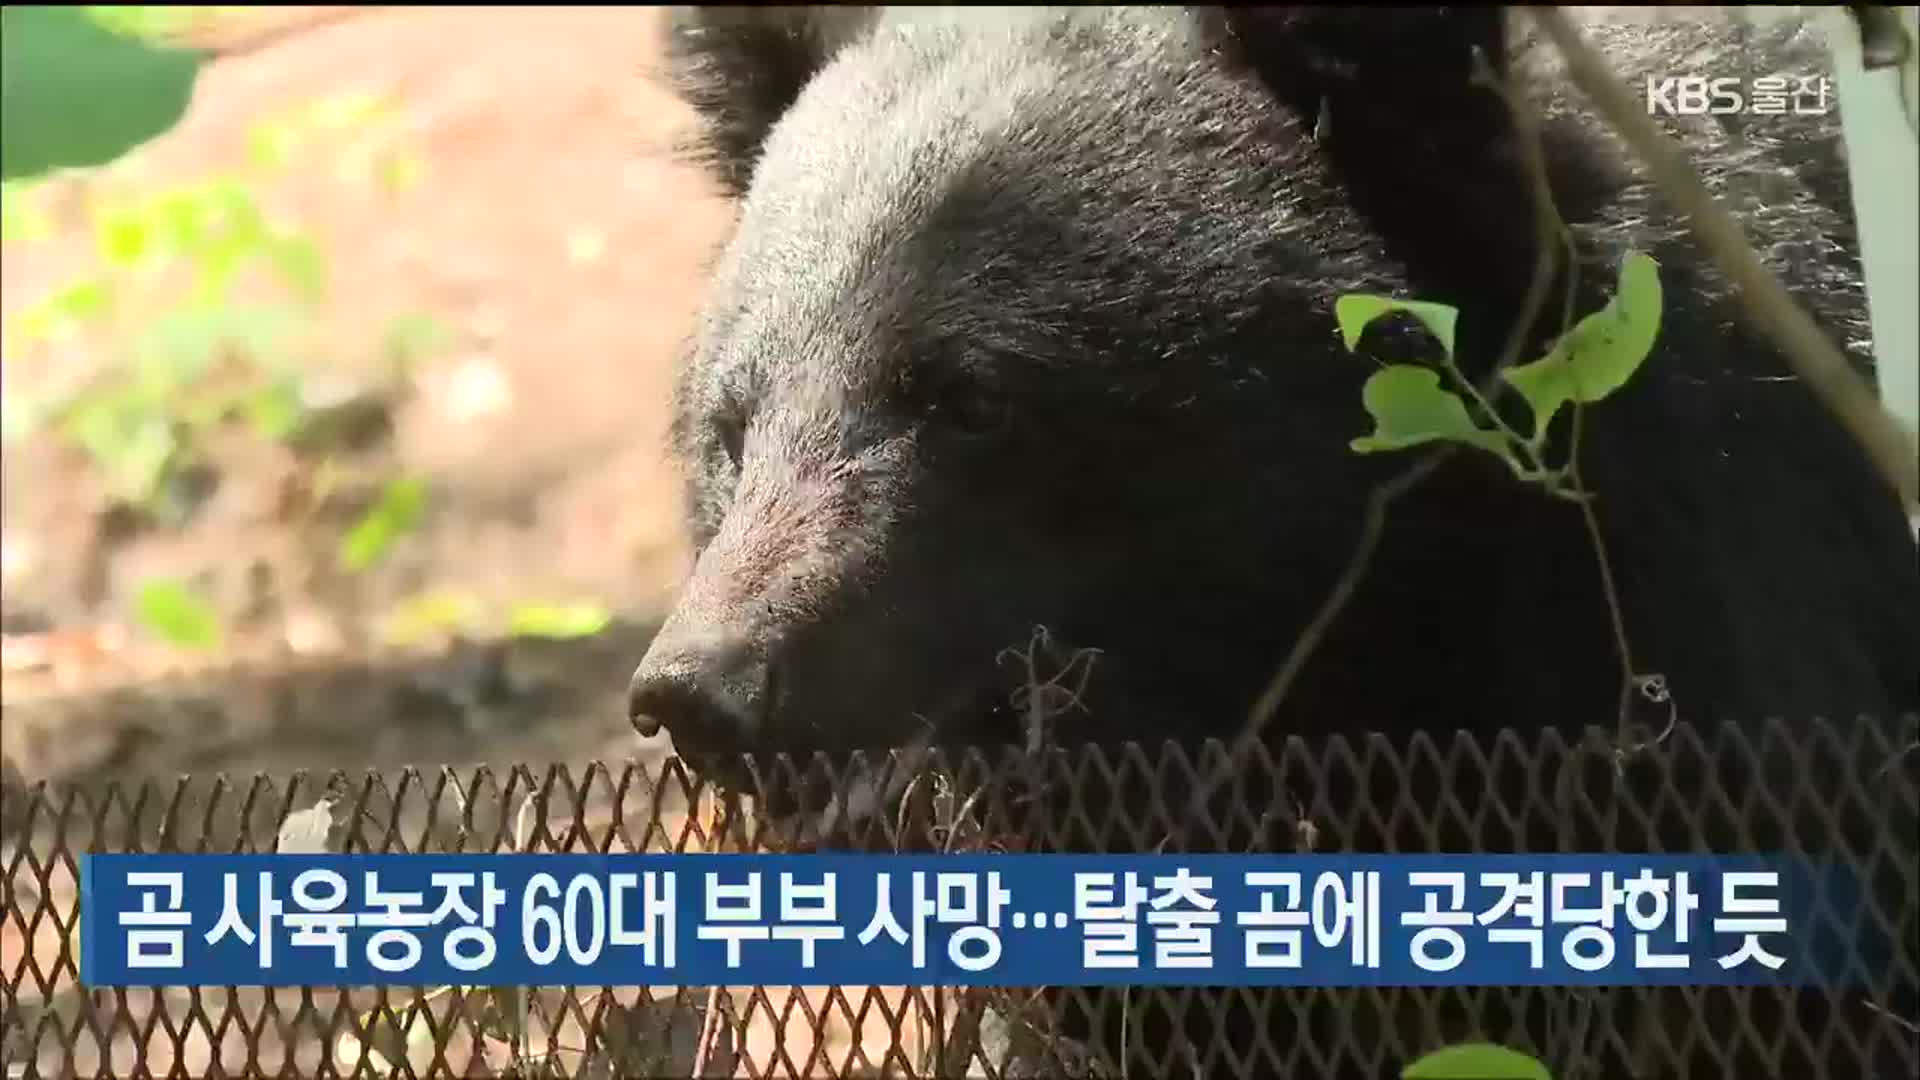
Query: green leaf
pixel 20 415
pixel 431 614
pixel 1409 407
pixel 241 236
pixel 121 236
pixel 409 338
pixel 1546 384
pixel 398 511
pixel 179 346
pixel 80 301
pixel 271 144
pixel 21 219
pixel 173 612
pixel 302 266
pixel 1601 352
pixel 74 94
pixel 142 463
pixel 275 411
pixel 130 437
pixel 238 212
pixel 180 217
pixel 1357 311
pixel 563 621
pixel 399 172
pixel 1476 1061
pixel 342 111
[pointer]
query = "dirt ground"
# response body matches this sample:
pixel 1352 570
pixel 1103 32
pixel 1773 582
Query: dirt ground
pixel 561 241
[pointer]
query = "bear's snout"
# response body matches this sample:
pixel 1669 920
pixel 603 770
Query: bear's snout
pixel 706 688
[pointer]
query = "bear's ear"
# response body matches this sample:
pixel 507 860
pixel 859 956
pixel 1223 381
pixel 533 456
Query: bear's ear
pixel 741 68
pixel 1362 59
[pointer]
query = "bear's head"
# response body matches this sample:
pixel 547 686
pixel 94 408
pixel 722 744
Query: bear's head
pixel 1018 392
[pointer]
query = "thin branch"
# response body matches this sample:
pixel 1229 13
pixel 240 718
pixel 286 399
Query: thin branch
pixel 1372 530
pixel 1550 243
pixel 1766 301
pixel 1546 218
pixel 721 820
pixel 1900 1022
pixel 709 1032
pixel 1617 617
pixel 1550 224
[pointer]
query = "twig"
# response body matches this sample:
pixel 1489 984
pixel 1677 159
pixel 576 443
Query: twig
pixel 1766 301
pixel 720 820
pixel 1900 1022
pixel 1547 223
pixel 1551 242
pixel 709 1031
pixel 1032 698
pixel 1550 223
pixel 859 798
pixel 1372 530
pixel 1616 617
pixel 452 782
pixel 1375 526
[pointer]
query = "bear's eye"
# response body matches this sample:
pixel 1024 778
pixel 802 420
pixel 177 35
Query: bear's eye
pixel 974 415
pixel 962 403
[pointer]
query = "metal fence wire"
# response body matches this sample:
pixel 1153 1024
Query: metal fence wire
pixel 1844 790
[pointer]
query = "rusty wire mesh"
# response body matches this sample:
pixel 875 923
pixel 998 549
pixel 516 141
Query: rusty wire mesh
pixel 1839 789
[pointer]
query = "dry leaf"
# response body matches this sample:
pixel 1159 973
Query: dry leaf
pixel 304 832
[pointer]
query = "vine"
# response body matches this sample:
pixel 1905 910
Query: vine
pixel 1587 364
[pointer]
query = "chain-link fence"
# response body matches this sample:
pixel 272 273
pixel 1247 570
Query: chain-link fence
pixel 1840 789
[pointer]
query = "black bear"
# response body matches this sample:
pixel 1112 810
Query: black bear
pixel 1029 322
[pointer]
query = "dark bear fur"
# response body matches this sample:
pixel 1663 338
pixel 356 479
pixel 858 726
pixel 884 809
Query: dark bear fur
pixel 1028 322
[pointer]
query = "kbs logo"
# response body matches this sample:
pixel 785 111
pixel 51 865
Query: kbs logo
pixel 1697 95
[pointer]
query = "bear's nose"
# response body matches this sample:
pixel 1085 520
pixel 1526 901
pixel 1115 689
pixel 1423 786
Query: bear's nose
pixel 709 697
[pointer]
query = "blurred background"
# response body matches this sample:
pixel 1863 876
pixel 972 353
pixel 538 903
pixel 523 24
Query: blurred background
pixel 335 416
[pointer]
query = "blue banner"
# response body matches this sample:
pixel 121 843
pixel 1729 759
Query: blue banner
pixel 979 920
